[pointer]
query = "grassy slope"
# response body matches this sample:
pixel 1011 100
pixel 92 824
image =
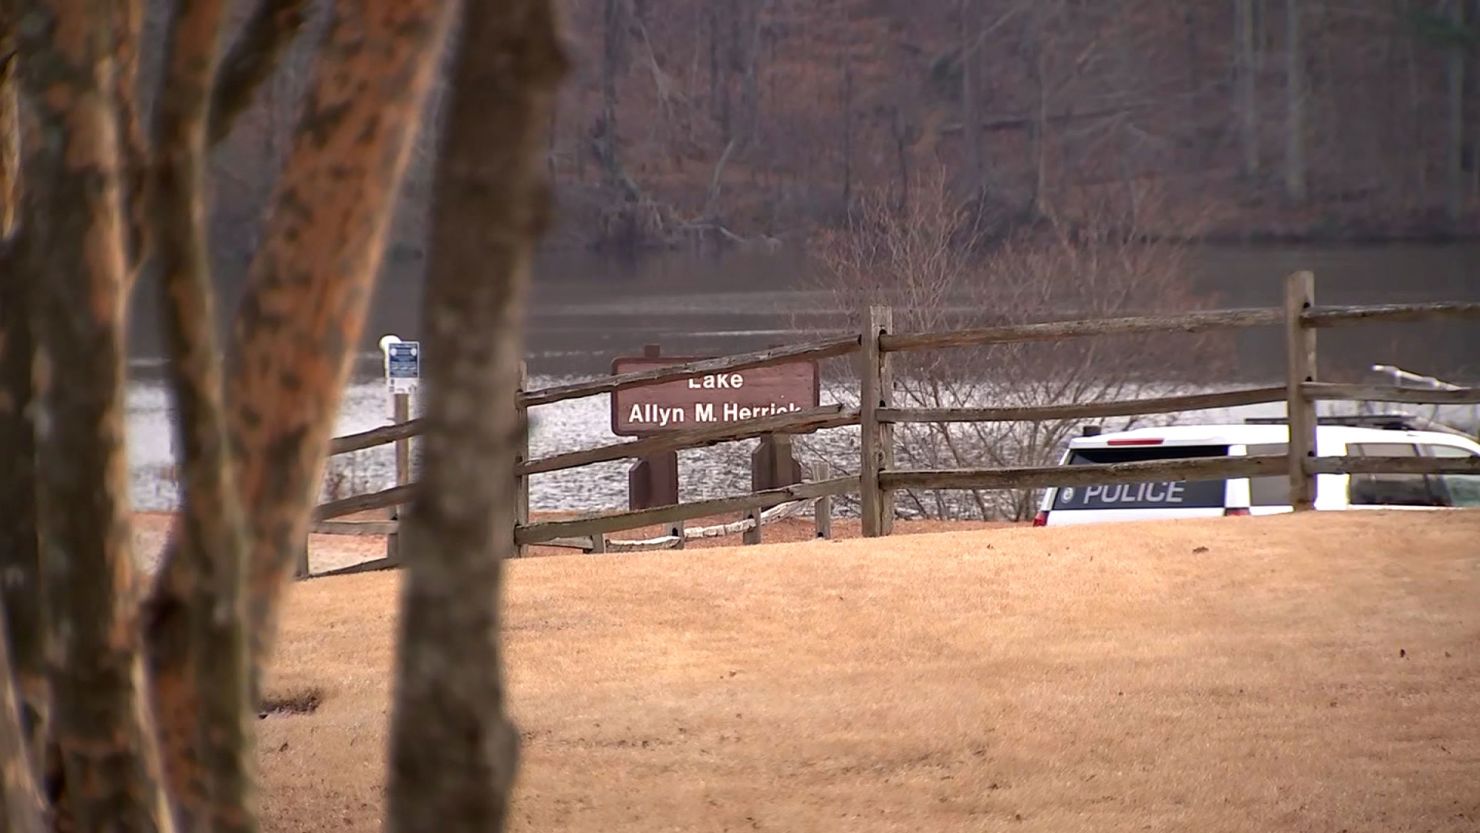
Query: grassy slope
pixel 1313 673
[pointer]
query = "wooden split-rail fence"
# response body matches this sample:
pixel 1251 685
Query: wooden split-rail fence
pixel 1300 319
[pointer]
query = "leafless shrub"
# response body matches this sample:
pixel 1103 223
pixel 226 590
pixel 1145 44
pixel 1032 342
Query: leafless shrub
pixel 935 268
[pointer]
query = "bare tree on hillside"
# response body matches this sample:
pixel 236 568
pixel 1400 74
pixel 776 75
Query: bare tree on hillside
pixel 128 707
pixel 1246 72
pixel 1295 102
pixel 935 269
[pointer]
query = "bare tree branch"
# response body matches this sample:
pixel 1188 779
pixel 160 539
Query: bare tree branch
pixel 207 738
pixel 250 60
pixel 453 773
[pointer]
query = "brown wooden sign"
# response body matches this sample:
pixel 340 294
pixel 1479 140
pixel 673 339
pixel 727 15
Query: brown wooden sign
pixel 709 399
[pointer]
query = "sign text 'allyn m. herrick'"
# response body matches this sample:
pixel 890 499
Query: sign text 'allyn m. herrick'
pixel 709 399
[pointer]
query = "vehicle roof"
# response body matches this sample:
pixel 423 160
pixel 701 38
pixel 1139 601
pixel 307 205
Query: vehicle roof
pixel 1264 434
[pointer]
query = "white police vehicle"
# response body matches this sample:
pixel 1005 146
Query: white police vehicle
pixel 1372 437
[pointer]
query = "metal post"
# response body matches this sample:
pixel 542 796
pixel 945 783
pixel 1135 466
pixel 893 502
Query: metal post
pixel 753 534
pixel 822 511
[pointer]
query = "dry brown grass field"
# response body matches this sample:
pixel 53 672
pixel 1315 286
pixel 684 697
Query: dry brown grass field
pixel 1319 673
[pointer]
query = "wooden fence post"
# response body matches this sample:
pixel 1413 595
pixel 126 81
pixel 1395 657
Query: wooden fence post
pixel 403 447
pixel 400 414
pixel 822 509
pixel 521 456
pixel 753 534
pixel 1300 348
pixel 876 390
pixel 300 560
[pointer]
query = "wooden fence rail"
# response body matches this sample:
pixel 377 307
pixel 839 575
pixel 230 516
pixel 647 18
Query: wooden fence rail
pixel 800 422
pixel 1037 477
pixel 1388 314
pixel 383 435
pixel 618 521
pixel 1325 391
pixel 1392 465
pixel 1119 407
pixel 1299 317
pixel 825 349
pixel 1189 322
pixel 383 499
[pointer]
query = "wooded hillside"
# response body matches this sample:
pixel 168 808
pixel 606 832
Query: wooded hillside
pixel 716 121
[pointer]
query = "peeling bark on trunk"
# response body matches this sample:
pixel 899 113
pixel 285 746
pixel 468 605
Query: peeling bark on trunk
pixel 308 289
pixel 206 733
pixel 101 725
pixel 134 157
pixel 453 750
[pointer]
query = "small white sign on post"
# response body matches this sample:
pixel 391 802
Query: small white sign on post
pixel 402 364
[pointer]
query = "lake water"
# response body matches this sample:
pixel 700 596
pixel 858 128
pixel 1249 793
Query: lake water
pixel 587 310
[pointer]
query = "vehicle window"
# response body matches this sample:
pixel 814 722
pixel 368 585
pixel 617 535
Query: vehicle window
pixel 1461 489
pixel 1275 489
pixel 1389 489
pixel 1175 494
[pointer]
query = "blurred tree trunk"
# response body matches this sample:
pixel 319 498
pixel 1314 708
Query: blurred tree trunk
pixel 21 808
pixel 10 128
pixel 23 697
pixel 1295 94
pixel 103 196
pixel 453 750
pixel 20 593
pixel 127 31
pixel 208 757
pixel 300 321
pixel 75 239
